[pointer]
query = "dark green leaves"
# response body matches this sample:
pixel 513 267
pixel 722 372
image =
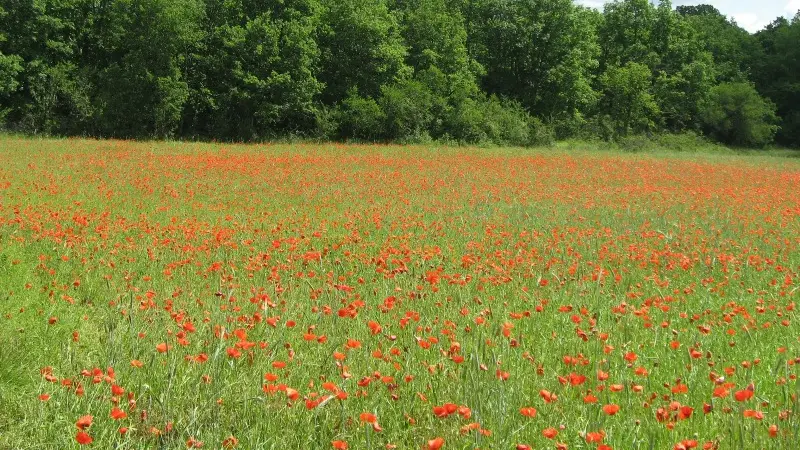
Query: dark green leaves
pixel 468 71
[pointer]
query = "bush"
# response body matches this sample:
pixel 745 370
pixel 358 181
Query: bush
pixel 635 143
pixel 682 142
pixel 735 114
pixel 789 133
pixel 360 118
pixel 506 122
pixel 491 120
pixel 466 122
pixel 410 112
pixel 573 126
pixel 540 134
pixel 326 123
pixel 408 106
pixel 669 142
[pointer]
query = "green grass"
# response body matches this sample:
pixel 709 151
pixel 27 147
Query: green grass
pixel 519 261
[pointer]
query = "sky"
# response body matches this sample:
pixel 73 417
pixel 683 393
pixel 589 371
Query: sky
pixel 752 15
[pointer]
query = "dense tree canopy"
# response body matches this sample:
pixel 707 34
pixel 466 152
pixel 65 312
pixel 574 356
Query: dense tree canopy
pixel 542 53
pixel 776 73
pixel 504 71
pixel 362 49
pixel 253 72
pixel 735 114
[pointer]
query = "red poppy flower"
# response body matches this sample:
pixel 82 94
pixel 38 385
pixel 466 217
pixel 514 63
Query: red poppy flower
pixel 595 436
pixel 83 438
pixel 743 395
pixel 435 444
pixel 230 442
pixel 84 422
pixel 548 396
pixel 118 414
pixel 368 418
pixel 550 433
pixel 611 409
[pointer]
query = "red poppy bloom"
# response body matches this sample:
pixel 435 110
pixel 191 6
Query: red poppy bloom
pixel 230 442
pixel 368 418
pixel 548 396
pixel 743 395
pixel 84 422
pixel 595 436
pixel 435 444
pixel 611 409
pixel 118 414
pixel 83 438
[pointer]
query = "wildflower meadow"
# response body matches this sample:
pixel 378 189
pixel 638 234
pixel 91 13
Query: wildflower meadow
pixel 303 296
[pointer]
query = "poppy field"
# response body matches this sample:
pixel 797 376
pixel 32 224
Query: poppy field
pixel 165 295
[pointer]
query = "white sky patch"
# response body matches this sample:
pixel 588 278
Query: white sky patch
pixel 752 15
pixel 749 21
pixel 597 4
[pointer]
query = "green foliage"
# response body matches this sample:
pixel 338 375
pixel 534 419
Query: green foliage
pixel 729 44
pixel 254 75
pixel 681 94
pixel 361 48
pixel 360 118
pixel 436 36
pixel 626 33
pixel 10 67
pixel 60 99
pixel 541 53
pixel 776 73
pixel 735 114
pixel 408 106
pixel 628 105
pixel 141 89
pixel 657 73
pixel 688 142
pixel 43 84
pixel 519 72
pixel 493 120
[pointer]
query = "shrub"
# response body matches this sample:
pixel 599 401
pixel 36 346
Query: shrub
pixel 507 123
pixel 735 114
pixel 498 121
pixel 540 134
pixel 360 118
pixel 670 142
pixel 466 122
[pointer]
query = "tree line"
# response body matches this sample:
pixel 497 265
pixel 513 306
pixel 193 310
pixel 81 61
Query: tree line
pixel 510 72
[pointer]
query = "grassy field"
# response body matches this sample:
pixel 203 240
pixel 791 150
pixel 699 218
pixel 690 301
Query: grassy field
pixel 159 295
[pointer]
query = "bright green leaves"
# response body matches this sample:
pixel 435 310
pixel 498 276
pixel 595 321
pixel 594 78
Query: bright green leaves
pixel 541 53
pixel 254 74
pixel 361 48
pixel 627 101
